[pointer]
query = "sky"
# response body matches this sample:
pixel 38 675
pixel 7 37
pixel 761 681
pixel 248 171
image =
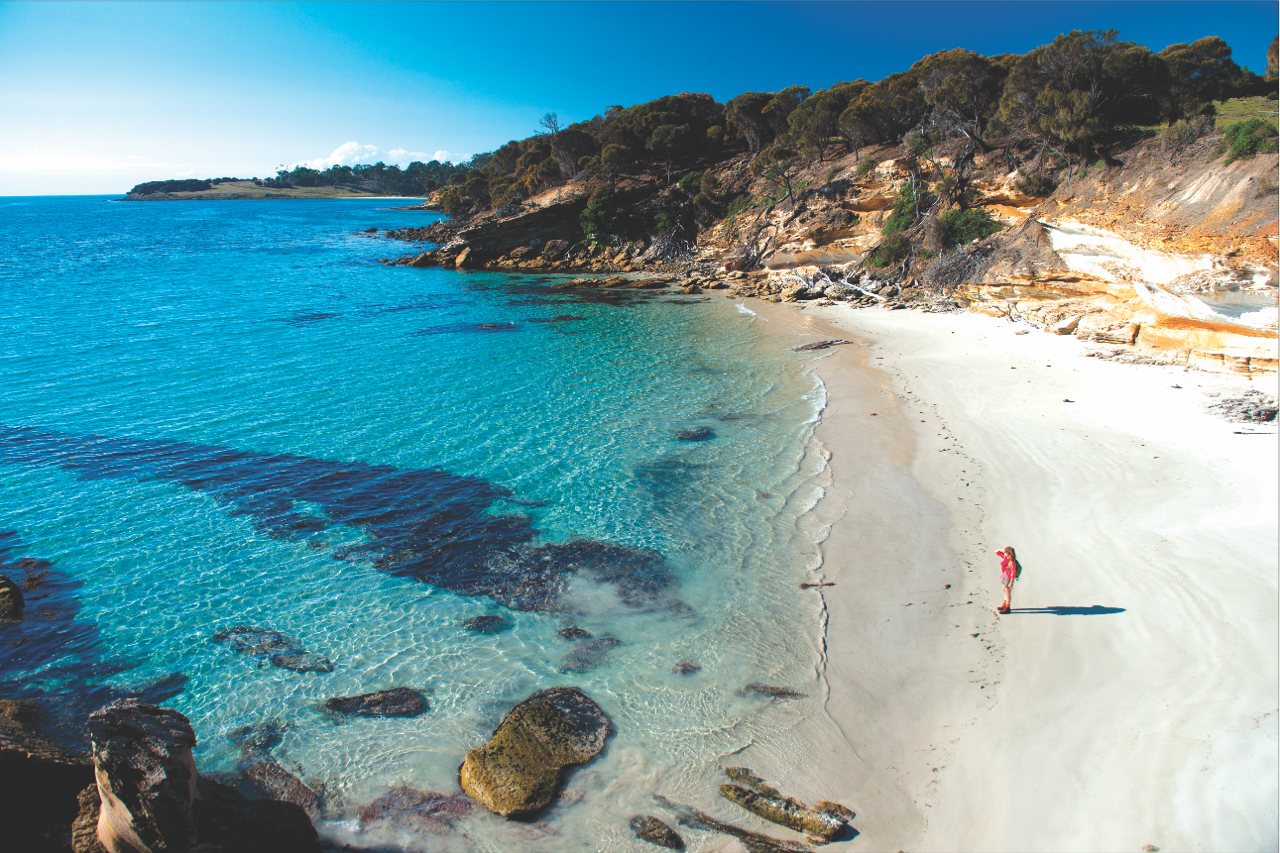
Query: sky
pixel 97 97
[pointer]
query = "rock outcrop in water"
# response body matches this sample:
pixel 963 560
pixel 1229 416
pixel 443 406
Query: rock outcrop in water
pixel 754 842
pixel 280 649
pixel 11 601
pixel 396 702
pixel 152 798
pixel 520 770
pixel 39 782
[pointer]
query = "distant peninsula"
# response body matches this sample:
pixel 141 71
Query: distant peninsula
pixel 376 179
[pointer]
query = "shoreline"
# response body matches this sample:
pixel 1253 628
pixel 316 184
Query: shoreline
pixel 1067 725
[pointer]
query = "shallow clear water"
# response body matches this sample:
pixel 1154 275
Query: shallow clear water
pixel 226 413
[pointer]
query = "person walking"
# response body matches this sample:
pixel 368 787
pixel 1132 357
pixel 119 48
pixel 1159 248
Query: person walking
pixel 1009 571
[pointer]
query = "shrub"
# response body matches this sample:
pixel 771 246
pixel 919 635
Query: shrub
pixel 894 249
pixel 864 167
pixel 962 226
pixel 835 170
pixel 598 212
pixel 1247 139
pixel 911 201
pixel 1034 184
pixel 690 183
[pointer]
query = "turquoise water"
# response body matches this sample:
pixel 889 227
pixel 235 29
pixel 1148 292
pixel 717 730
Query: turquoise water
pixel 228 413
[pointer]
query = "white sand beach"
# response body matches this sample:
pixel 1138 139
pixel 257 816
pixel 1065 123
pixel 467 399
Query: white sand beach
pixel 1131 697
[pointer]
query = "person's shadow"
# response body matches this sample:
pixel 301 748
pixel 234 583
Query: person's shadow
pixel 1092 610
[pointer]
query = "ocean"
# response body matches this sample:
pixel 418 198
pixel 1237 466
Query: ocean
pixel 222 414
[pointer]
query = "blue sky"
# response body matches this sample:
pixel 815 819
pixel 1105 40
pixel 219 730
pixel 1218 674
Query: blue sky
pixel 95 97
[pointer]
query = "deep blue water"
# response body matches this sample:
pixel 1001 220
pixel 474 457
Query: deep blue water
pixel 228 413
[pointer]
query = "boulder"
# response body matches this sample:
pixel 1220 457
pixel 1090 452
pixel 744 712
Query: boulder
pixel 396 702
pixel 1067 326
pixel 573 632
pixel 146 777
pixel 587 654
pixel 649 828
pixel 520 770
pixel 39 782
pixel 838 291
pixel 11 601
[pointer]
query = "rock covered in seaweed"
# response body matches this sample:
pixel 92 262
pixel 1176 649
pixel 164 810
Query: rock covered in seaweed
pixel 649 828
pixel 396 702
pixel 520 770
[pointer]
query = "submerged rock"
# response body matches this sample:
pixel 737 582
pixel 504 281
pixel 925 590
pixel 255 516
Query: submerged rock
pixel 817 345
pixel 486 624
pixel 649 828
pixel 280 649
pixel 688 666
pixel 573 632
pixel 262 736
pixel 701 433
pixel 396 702
pixel 11 601
pixel 587 654
pixel 520 770
pixel 757 688
pixel 410 808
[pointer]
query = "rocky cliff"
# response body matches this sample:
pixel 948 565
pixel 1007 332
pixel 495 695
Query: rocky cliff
pixel 1161 249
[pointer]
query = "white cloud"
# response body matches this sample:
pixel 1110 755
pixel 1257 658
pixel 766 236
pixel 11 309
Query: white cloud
pixel 353 153
pixel 450 157
pixel 348 154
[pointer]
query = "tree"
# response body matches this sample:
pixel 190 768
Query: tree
pixel 816 120
pixel 961 89
pixel 884 111
pixel 774 164
pixel 1273 60
pixel 550 124
pixel 745 114
pixel 1074 91
pixel 780 107
pixel 1200 72
pixel 669 141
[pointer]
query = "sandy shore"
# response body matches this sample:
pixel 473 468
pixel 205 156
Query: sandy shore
pixel 1131 698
